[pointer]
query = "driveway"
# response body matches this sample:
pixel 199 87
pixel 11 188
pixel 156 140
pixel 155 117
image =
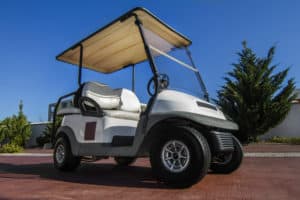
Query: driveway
pixel 33 177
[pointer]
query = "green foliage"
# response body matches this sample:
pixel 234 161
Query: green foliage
pixel 11 148
pixel 46 137
pixel 285 140
pixel 254 96
pixel 2 133
pixel 15 130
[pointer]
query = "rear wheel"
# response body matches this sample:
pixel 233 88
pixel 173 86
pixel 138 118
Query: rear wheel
pixel 63 158
pixel 179 158
pixel 227 163
pixel 124 161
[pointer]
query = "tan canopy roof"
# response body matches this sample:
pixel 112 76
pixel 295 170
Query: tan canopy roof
pixel 119 44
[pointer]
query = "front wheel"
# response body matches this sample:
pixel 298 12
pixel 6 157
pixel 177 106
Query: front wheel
pixel 227 163
pixel 63 158
pixel 180 158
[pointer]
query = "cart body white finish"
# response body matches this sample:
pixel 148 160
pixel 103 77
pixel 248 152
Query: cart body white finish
pixel 179 129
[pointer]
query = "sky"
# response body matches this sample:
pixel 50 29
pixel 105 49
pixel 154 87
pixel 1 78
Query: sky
pixel 32 33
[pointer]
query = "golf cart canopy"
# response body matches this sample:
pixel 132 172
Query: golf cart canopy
pixel 119 44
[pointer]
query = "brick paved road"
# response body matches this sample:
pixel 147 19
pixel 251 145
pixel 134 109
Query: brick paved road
pixel 35 178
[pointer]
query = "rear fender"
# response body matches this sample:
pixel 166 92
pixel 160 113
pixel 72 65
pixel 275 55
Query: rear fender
pixel 65 131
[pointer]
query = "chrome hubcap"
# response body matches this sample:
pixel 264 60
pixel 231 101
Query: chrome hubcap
pixel 60 153
pixel 175 156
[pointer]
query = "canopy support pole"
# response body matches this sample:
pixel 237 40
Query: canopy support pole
pixel 151 63
pixel 146 46
pixel 133 79
pixel 202 85
pixel 80 64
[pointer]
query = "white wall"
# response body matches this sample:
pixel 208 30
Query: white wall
pixel 290 127
pixel 37 130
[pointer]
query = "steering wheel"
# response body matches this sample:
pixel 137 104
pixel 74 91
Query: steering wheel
pixel 162 83
pixel 152 80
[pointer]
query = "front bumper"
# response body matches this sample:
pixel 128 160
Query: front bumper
pixel 222 142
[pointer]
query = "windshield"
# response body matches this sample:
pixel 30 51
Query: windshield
pixel 176 64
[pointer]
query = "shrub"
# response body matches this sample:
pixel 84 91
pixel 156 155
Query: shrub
pixel 15 131
pixel 11 148
pixel 285 140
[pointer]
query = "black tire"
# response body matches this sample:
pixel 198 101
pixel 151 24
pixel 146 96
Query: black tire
pixel 199 158
pixel 69 162
pixel 124 161
pixel 234 161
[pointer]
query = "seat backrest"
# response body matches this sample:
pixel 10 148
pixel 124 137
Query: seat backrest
pixel 129 101
pixel 102 94
pixel 111 99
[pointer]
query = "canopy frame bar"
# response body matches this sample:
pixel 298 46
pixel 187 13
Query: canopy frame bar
pixel 151 63
pixel 146 46
pixel 202 85
pixel 173 59
pixel 80 64
pixel 133 78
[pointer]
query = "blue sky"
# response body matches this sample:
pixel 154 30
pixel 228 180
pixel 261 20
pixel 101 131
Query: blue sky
pixel 32 33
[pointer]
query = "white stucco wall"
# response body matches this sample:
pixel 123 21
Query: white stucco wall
pixel 37 130
pixel 290 127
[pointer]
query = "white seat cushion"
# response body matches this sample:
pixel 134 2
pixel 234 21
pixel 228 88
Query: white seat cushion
pixel 112 99
pixel 129 101
pixel 104 96
pixel 122 114
pixel 65 111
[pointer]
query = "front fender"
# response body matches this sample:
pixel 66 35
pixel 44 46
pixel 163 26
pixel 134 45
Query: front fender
pixel 204 125
pixel 195 118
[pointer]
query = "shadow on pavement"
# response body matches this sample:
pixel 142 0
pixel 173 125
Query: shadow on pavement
pixel 87 173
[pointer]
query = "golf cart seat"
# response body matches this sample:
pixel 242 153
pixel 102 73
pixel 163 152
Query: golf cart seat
pixel 102 94
pixel 117 103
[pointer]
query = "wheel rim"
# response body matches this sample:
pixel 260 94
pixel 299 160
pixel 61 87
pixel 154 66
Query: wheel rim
pixel 60 153
pixel 175 156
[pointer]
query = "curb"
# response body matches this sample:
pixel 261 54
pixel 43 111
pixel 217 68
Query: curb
pixel 26 154
pixel 250 155
pixel 273 155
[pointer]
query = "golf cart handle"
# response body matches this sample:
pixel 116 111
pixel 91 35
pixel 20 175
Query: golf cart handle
pixel 55 111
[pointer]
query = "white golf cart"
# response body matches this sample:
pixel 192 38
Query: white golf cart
pixel 183 134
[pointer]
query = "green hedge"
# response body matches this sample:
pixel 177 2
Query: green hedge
pixel 11 148
pixel 285 140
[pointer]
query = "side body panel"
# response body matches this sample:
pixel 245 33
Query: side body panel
pixel 74 127
pixel 95 149
pixel 106 127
